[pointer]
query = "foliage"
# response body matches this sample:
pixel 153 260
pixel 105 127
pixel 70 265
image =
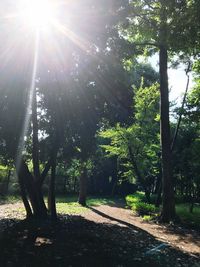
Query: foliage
pixel 188 218
pixel 144 208
pixel 186 153
pixel 137 197
pixel 137 147
pixel 137 202
pixel 147 218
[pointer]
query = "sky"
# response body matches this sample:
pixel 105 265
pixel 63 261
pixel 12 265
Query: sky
pixel 177 80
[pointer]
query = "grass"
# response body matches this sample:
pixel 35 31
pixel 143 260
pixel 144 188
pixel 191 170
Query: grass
pixel 70 208
pixel 91 200
pixel 69 204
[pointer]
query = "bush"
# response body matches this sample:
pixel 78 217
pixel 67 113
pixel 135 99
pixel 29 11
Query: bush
pixel 144 208
pixel 147 218
pixel 137 203
pixel 131 200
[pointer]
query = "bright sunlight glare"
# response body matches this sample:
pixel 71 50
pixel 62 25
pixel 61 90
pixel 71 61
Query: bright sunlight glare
pixel 37 14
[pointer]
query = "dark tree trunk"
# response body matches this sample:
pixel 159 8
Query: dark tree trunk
pixel 35 148
pixel 83 186
pixel 159 196
pixel 27 206
pixel 51 195
pixel 7 182
pixel 42 210
pixel 74 185
pixel 158 190
pixel 192 196
pixel 40 201
pixel 114 176
pixel 33 190
pixel 168 211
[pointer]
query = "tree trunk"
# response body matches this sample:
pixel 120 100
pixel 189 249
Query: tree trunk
pixel 33 190
pixel 51 195
pixel 83 186
pixel 114 180
pixel 27 206
pixel 42 210
pixel 159 196
pixel 168 211
pixel 7 182
pixel 74 185
pixel 158 189
pixel 35 148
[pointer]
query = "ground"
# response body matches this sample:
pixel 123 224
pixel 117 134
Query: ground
pixel 102 235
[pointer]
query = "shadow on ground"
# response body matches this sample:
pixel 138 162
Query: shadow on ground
pixel 75 241
pixel 183 233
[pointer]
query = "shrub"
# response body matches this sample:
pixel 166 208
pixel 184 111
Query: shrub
pixel 147 218
pixel 144 208
pixel 131 200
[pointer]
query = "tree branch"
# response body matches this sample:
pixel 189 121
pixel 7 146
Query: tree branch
pixel 182 106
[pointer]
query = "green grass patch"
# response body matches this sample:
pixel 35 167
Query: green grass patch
pixel 69 204
pixel 93 201
pixel 70 208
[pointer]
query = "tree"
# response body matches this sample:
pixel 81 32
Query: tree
pixel 137 146
pixel 162 26
pixel 187 165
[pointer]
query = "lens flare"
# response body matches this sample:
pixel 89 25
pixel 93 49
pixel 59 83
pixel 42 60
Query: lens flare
pixel 37 13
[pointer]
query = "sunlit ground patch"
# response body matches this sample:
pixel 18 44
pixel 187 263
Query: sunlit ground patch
pixel 70 208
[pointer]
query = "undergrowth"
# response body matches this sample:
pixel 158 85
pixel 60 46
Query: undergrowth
pixel 137 202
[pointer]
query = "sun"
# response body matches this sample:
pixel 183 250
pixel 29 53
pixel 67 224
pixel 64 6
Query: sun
pixel 37 14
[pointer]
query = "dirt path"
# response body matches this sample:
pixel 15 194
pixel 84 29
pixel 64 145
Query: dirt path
pixel 104 235
pixel 183 239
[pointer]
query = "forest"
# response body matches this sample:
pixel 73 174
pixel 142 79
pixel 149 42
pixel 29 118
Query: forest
pixel 99 166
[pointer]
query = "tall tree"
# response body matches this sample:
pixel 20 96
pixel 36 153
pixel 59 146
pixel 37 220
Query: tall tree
pixel 161 26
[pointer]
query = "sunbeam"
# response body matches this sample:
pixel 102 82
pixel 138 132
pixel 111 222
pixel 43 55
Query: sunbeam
pixel 29 102
pixel 80 42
